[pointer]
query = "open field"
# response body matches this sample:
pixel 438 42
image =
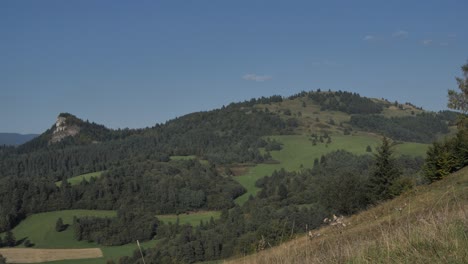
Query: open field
pixel 411 148
pixel 109 253
pixel 31 255
pixel 190 218
pixel 299 153
pixel 407 110
pixel 40 230
pixel 425 225
pixel 78 179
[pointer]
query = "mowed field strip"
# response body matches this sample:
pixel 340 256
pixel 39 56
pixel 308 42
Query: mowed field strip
pixel 32 255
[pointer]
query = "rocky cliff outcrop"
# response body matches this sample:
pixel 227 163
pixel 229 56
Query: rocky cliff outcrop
pixel 63 130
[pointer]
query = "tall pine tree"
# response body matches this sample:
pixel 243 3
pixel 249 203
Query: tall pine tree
pixel 384 174
pixel 10 240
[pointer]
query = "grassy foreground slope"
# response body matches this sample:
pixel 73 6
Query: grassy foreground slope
pixel 298 152
pixel 426 225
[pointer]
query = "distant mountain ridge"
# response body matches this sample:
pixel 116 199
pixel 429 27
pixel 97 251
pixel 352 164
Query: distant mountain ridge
pixel 14 139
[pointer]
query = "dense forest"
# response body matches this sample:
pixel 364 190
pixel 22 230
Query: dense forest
pixel 221 136
pixel 156 187
pixel 351 103
pixel 424 127
pixel 127 227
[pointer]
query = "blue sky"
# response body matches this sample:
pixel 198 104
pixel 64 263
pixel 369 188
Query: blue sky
pixel 138 63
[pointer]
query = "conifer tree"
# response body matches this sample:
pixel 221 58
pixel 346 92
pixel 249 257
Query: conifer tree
pixel 59 226
pixel 10 240
pixel 384 174
pixel 459 100
pixel 451 155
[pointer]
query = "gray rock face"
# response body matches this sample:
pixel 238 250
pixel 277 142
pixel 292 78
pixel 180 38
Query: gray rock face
pixel 62 130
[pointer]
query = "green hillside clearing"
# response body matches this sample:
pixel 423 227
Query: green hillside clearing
pixel 298 153
pixel 78 179
pixel 40 230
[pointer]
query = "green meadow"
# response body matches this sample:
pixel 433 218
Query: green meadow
pixel 298 153
pixel 78 179
pixel 40 230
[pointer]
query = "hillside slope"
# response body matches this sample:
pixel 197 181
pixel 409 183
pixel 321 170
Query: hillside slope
pixel 426 225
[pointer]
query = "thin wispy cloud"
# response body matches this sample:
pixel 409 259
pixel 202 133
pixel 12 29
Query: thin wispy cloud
pixel 427 42
pixel 400 34
pixel 368 37
pixel 256 78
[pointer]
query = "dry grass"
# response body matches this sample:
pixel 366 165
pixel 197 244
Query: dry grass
pixel 427 225
pixel 32 255
pixel 240 169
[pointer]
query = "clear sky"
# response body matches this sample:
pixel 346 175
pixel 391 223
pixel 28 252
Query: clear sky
pixel 138 63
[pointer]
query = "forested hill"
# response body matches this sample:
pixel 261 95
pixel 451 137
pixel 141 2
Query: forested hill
pixel 139 172
pixel 70 130
pixel 72 147
pixel 232 134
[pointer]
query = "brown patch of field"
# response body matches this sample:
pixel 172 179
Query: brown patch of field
pixel 239 170
pixel 33 255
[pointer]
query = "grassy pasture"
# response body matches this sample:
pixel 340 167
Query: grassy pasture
pixel 78 179
pixel 40 230
pixel 407 110
pixel 299 153
pixel 412 149
pixel 312 119
pixel 190 218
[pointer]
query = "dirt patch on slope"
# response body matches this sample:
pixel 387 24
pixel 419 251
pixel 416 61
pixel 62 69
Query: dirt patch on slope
pixel 33 255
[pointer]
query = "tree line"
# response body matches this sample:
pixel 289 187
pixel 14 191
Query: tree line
pixel 424 127
pixel 227 135
pixel 156 187
pixel 351 103
pixel 451 154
